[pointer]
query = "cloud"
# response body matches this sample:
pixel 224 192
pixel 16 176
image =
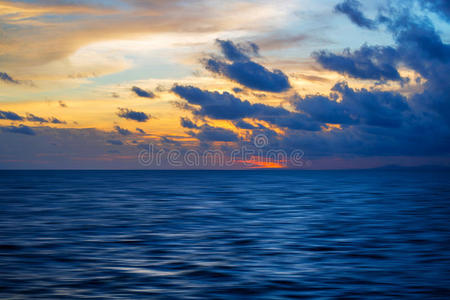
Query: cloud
pixel 166 140
pixel 441 7
pixel 225 106
pixel 122 131
pixel 142 93
pixel 8 79
pixel 369 62
pixel 363 107
pixel 133 115
pixel 56 121
pixel 141 131
pixel 375 122
pixel 21 129
pixel 9 115
pixel 418 47
pixel 115 142
pixel 351 8
pixel 370 121
pixel 69 148
pixel 33 118
pixel 238 67
pixel 187 123
pixel 243 125
pixel 53 30
pixel 209 133
pixel 239 52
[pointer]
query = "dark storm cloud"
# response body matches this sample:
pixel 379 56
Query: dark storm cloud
pixel 209 133
pixel 142 93
pixel 225 106
pixel 373 121
pixel 9 115
pixel 122 131
pixel 369 62
pixel 238 67
pixel 352 9
pixel 132 115
pixel 376 122
pixel 187 123
pixel 21 129
pixel 8 79
pixel 418 46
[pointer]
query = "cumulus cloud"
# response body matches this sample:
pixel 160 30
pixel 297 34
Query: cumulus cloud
pixel 369 62
pixel 418 46
pixel 238 67
pixel 133 115
pixel 371 121
pixel 142 93
pixel 372 108
pixel 238 52
pixel 375 122
pixel 225 106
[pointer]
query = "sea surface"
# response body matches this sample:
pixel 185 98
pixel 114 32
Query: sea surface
pixel 224 234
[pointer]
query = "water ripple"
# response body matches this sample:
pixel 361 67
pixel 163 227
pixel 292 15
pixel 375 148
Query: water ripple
pixel 221 235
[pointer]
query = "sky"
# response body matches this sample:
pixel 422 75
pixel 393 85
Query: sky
pixel 134 84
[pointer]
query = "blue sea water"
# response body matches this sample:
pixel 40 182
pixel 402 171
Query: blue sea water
pixel 224 234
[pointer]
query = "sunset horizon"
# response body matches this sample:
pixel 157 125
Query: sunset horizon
pixel 241 149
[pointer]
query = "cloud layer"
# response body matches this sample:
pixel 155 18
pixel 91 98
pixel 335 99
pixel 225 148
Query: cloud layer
pixel 238 66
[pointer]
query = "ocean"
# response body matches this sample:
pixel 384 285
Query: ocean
pixel 260 234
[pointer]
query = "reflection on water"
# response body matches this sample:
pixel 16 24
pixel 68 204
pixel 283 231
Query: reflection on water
pixel 222 235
